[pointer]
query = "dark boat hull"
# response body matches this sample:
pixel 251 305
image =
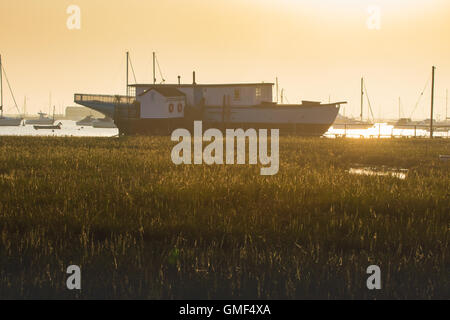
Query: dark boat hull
pixel 57 127
pixel 165 127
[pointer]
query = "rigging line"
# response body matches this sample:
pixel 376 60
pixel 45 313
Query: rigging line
pixel 132 70
pixel 10 90
pixel 368 100
pixel 285 97
pixel 159 68
pixel 420 97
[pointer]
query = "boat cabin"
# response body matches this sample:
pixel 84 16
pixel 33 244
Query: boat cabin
pixel 213 95
pixel 161 103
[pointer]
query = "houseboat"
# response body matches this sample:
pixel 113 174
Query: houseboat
pixel 158 109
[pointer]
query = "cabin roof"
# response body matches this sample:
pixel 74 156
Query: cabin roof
pixel 165 91
pixel 201 85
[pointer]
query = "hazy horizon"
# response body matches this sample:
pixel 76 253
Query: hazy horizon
pixel 318 49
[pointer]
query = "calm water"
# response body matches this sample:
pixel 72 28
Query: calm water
pixel 69 128
pixel 384 131
pixel 388 172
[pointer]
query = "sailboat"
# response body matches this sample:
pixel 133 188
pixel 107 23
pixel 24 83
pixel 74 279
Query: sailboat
pixel 6 121
pixel 347 123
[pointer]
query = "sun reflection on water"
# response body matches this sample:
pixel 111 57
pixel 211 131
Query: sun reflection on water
pixel 383 130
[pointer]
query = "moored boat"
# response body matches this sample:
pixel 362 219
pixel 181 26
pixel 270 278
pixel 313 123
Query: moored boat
pixel 42 120
pixel 169 113
pixel 6 121
pixel 87 121
pixel 342 122
pixel 48 127
pixel 158 109
pixel 103 123
pixel 352 124
pixel 10 122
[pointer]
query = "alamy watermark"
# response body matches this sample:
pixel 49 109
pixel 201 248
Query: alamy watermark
pixel 74 20
pixel 74 280
pixel 214 151
pixel 374 20
pixel 374 281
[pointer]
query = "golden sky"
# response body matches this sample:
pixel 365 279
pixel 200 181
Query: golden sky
pixel 317 48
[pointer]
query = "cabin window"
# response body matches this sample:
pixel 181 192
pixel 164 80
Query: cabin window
pixel 258 92
pixel 237 94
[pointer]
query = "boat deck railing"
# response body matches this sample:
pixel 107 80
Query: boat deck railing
pixel 107 99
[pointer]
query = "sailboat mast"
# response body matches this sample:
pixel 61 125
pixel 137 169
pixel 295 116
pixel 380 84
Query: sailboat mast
pixel 128 59
pixel 154 70
pixel 1 86
pixel 446 104
pixel 362 97
pixel 277 89
pixel 432 103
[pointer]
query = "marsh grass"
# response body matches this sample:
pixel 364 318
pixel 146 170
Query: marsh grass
pixel 141 227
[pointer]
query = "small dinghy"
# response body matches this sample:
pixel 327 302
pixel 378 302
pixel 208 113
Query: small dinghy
pixel 57 127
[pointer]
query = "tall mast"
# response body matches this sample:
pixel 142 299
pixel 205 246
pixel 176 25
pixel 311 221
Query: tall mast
pixel 277 88
pixel 1 87
pixel 154 73
pixel 446 105
pixel 362 97
pixel 432 102
pixel 128 59
pixel 399 108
